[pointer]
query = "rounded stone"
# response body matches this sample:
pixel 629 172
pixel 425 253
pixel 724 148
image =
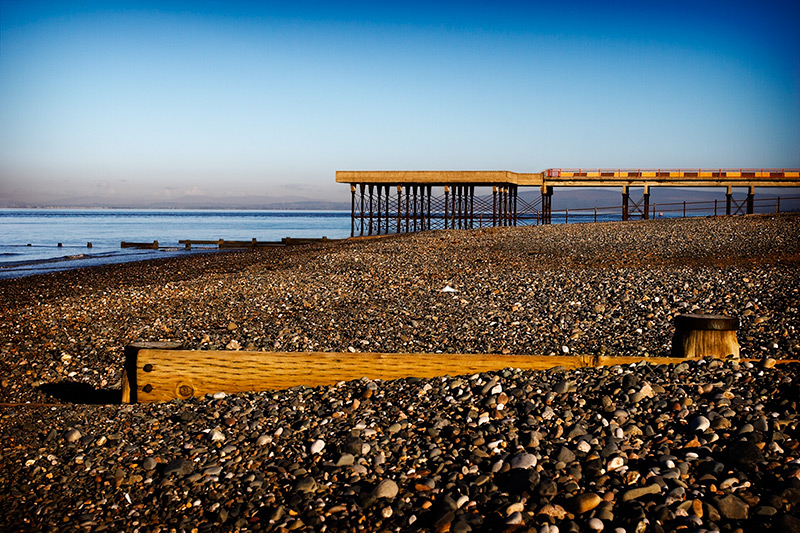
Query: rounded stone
pixel 72 435
pixel 386 489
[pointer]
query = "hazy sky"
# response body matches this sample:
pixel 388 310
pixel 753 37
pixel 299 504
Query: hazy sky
pixel 162 99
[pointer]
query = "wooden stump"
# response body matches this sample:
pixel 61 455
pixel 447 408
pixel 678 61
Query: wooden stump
pixel 129 371
pixel 705 336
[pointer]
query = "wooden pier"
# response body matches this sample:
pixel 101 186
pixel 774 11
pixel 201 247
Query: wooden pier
pixel 403 201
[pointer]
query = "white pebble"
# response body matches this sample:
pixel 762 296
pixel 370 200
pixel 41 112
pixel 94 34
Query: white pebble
pixel 317 446
pixel 216 435
pixel 596 524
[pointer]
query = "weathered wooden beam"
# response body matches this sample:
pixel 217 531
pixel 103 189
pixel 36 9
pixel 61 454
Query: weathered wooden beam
pixel 154 375
pixel 141 245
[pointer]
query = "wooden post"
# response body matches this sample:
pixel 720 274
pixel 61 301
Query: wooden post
pixel 352 213
pixel 388 188
pixel 471 206
pixel 430 215
pixel 380 206
pixel 751 193
pixel 728 201
pixel 625 196
pixel 131 370
pixel 494 205
pixel 370 208
pixel 399 205
pixel 446 205
pixel 408 208
pixel 705 336
pixel 646 210
pixel 361 229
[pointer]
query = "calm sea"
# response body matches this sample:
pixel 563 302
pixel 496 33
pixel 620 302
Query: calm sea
pixel 29 238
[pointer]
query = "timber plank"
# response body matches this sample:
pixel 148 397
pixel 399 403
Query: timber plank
pixel 164 375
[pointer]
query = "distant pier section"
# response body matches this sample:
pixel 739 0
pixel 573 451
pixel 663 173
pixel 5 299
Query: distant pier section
pixel 385 202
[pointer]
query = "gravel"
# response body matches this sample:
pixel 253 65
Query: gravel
pixel 703 445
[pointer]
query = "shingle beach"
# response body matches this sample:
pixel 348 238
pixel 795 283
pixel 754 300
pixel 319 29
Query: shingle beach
pixel 700 446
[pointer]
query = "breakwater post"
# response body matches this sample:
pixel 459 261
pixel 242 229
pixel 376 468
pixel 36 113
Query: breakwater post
pixel 705 336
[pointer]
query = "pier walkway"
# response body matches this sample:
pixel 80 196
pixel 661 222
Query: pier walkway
pixel 403 201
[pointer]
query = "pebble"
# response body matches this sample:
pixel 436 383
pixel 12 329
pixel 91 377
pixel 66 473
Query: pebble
pixel 585 502
pixel 442 448
pixel 595 524
pixel 523 460
pixel 216 435
pixel 699 423
pixel 317 446
pixel 386 489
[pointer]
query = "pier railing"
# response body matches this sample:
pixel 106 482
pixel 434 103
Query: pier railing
pixel 678 210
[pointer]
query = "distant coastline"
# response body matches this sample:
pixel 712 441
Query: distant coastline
pixel 564 198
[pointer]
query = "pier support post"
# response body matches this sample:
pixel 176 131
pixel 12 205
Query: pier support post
pixel 751 194
pixel 399 205
pixel 625 198
pixel 494 205
pixel 370 188
pixel 729 200
pixel 352 212
pixel 361 228
pixel 547 205
pixel 514 205
pixel 446 205
pixel 471 206
pixel 408 194
pixel 380 206
pixel 501 206
pixel 386 218
pixel 646 200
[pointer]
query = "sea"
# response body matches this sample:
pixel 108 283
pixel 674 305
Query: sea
pixel 37 241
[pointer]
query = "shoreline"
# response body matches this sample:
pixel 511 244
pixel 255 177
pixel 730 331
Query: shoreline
pixel 619 447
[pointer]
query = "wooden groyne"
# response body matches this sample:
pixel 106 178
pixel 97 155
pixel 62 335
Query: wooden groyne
pixel 226 244
pixel 156 375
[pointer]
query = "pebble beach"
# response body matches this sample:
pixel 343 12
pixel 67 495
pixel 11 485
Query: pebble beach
pixel 704 445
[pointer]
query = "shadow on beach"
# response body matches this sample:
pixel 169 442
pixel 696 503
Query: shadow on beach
pixel 81 393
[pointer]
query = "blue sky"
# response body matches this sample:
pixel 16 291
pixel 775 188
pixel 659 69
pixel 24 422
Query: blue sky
pixel 163 99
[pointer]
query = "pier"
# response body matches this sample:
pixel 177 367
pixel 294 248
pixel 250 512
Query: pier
pixel 385 202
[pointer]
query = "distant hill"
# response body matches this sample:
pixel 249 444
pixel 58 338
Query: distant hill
pixel 191 202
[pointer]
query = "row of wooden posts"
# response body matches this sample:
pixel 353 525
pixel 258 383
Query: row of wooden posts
pixel 226 244
pixel 374 210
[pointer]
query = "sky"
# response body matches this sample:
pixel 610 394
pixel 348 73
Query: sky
pixel 159 100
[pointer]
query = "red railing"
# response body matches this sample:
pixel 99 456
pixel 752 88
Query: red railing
pixel 677 209
pixel 673 172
